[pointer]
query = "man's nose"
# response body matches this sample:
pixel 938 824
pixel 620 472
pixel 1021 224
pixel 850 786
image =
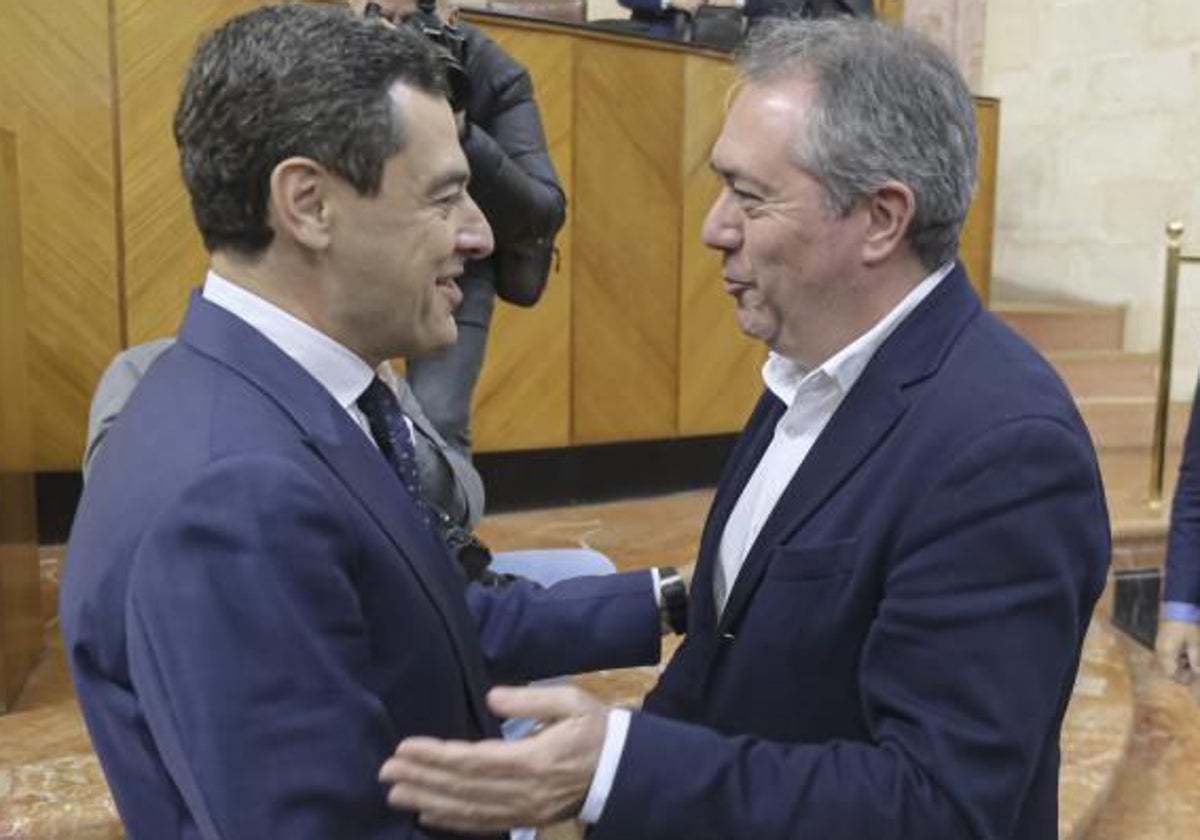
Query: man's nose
pixel 475 239
pixel 721 228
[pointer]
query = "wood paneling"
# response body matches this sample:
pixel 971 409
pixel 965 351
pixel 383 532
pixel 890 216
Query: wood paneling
pixel 56 95
pixel 976 248
pixel 628 187
pixel 718 365
pixel 164 257
pixel 20 609
pixel 890 10
pixel 523 399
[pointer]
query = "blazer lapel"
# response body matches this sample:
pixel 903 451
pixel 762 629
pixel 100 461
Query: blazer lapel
pixel 868 413
pixel 330 432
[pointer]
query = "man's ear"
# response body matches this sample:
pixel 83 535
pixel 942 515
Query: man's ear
pixel 890 211
pixel 299 202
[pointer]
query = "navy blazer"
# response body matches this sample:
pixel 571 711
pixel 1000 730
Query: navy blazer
pixel 255 615
pixel 897 653
pixel 1182 581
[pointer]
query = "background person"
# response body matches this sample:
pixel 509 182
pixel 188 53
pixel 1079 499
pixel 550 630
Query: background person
pixel 514 183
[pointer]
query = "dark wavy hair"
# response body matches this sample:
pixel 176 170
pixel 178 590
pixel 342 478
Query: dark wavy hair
pixel 284 81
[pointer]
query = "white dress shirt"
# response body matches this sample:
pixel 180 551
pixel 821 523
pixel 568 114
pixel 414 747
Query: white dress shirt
pixel 339 370
pixel 811 397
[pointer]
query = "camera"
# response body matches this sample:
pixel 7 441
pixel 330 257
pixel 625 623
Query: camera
pixel 450 43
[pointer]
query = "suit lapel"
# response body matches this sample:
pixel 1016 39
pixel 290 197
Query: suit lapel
pixel 862 422
pixel 330 432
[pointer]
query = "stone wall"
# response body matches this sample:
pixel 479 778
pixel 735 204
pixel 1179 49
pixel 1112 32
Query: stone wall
pixel 1099 147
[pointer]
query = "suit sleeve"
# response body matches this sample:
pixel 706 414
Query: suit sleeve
pixel 965 672
pixel 248 650
pixel 584 624
pixel 512 178
pixel 1182 582
pixel 644 5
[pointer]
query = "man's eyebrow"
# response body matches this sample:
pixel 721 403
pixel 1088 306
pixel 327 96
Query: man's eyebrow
pixel 729 175
pixel 454 178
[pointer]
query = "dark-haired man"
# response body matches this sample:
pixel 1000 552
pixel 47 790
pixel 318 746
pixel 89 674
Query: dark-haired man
pixel 255 604
pixel 514 183
pixel 904 551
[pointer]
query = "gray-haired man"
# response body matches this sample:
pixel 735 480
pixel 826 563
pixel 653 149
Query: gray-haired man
pixel 904 552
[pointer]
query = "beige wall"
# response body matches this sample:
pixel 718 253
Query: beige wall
pixel 1099 147
pixel 958 25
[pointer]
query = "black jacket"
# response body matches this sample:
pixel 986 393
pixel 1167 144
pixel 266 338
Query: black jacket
pixel 512 178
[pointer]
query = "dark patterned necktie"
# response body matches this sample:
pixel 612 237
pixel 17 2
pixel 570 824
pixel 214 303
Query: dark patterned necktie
pixel 390 428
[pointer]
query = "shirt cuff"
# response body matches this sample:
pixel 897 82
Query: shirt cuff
pixel 606 768
pixel 655 580
pixel 1177 611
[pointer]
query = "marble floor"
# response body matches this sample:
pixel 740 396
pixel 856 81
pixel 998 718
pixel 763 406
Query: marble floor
pixel 1131 742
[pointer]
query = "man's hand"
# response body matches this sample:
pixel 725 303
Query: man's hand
pixel 689 6
pixel 1178 649
pixel 490 786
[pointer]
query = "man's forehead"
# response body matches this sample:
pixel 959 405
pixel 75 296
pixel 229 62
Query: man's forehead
pixel 760 117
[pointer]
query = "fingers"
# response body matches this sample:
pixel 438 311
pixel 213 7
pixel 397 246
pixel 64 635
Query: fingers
pixel 1177 650
pixel 541 702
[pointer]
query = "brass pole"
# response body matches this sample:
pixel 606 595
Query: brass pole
pixel 1158 453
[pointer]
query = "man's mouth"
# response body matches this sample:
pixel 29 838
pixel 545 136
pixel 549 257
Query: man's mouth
pixel 448 286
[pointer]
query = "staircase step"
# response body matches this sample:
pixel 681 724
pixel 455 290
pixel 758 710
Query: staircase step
pixel 1122 422
pixel 1053 328
pixel 1126 474
pixel 1107 373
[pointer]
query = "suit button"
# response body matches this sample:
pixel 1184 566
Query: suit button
pixel 727 637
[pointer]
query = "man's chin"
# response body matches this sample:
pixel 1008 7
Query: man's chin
pixel 437 342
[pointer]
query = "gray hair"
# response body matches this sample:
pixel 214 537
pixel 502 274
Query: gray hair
pixel 284 81
pixel 890 106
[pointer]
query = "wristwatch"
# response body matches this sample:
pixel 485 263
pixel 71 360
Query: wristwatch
pixel 672 600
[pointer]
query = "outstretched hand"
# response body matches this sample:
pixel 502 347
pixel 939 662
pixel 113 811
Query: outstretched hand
pixel 486 787
pixel 1178 650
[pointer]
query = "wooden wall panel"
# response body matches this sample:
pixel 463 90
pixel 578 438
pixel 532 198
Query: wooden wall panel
pixel 718 366
pixel 56 95
pixel 976 248
pixel 164 257
pixel 890 10
pixel 523 399
pixel 629 125
pixel 20 606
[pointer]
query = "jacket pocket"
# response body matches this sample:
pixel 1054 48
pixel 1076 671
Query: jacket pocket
pixel 812 562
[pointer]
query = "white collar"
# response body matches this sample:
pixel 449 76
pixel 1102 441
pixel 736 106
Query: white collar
pixel 785 377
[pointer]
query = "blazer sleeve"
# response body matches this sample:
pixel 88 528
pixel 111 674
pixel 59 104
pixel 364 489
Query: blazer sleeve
pixel 1182 583
pixel 644 6
pixel 248 650
pixel 528 632
pixel 512 178
pixel 965 672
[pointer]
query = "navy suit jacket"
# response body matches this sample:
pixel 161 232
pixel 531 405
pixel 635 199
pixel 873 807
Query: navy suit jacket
pixel 255 615
pixel 897 653
pixel 1182 583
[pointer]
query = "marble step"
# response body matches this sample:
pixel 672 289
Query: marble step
pixel 1096 733
pixel 1107 373
pixel 1128 422
pixel 1060 327
pixel 1126 473
pixel 1154 797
